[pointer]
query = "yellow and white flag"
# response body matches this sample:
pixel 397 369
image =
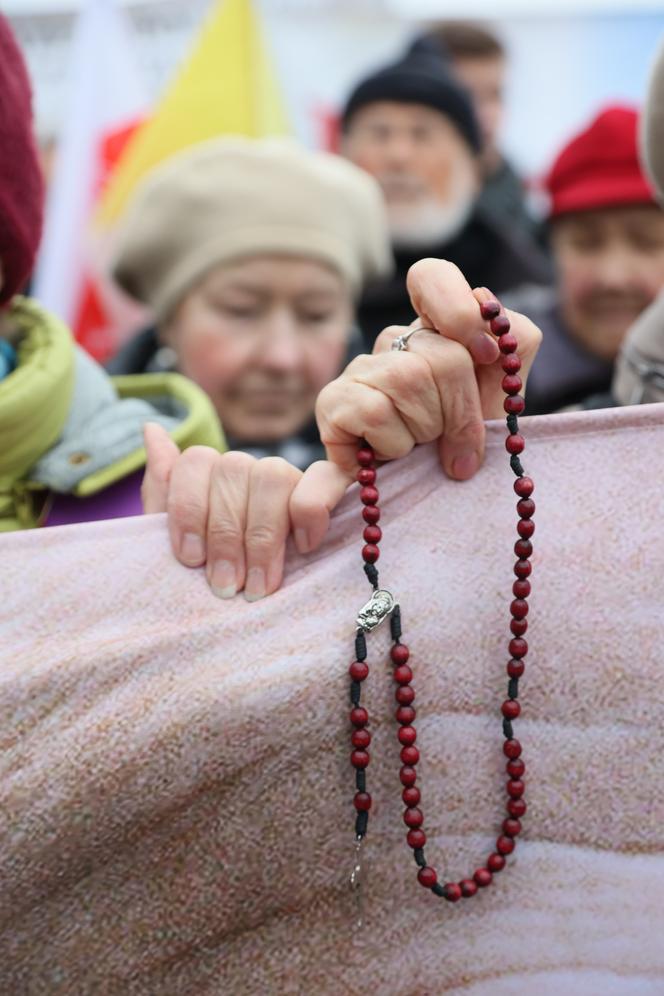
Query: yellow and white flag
pixel 226 86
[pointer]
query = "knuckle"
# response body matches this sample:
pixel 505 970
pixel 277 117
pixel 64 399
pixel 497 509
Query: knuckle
pixel 223 533
pixel 406 372
pixel 261 537
pixel 468 428
pixel 234 460
pixel 186 509
pixel 376 411
pixel 276 470
pixel 199 456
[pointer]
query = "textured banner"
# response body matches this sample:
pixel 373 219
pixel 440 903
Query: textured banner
pixel 175 787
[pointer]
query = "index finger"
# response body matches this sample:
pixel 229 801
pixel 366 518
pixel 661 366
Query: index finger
pixel 444 300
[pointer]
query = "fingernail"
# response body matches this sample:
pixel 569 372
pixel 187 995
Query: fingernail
pixel 484 349
pixel 302 540
pixel 192 550
pixel 255 584
pixel 465 464
pixel 222 579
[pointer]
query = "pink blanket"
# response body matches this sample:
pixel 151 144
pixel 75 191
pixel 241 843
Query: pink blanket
pixel 175 811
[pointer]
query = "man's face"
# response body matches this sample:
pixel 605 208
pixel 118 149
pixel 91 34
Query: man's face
pixel 262 337
pixel 426 168
pixel 484 78
pixel 610 265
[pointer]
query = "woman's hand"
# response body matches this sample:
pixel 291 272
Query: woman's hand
pixel 441 388
pixel 234 513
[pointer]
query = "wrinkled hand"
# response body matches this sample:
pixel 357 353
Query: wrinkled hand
pixel 442 388
pixel 234 513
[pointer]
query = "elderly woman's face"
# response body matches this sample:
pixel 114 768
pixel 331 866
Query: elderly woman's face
pixel 610 265
pixel 262 337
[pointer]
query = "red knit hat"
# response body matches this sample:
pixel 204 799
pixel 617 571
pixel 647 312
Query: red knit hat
pixel 600 167
pixel 21 182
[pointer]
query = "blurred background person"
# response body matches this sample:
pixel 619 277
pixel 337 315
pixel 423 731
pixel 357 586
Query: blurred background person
pixel 71 440
pixel 412 126
pixel 251 254
pixel 478 59
pixel 639 369
pixel 607 239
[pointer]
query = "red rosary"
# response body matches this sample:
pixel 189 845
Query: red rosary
pixel 382 605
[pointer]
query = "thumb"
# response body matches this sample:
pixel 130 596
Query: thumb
pixel 162 454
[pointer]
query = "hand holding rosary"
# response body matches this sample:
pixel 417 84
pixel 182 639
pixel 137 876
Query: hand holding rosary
pixel 383 605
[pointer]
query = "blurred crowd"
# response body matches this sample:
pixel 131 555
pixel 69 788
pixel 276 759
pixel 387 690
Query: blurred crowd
pixel 266 268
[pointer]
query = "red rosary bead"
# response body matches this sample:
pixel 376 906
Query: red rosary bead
pixel 495 862
pixel 516 807
pixel 523 568
pixel 427 877
pixel 362 802
pixel 483 877
pixel 408 775
pixel 411 796
pixel 359 670
pixel 413 817
pixel 523 548
pixel 361 739
pixel 519 626
pixel 373 534
pixel 489 309
pixel 407 735
pixel 505 845
pixel 359 759
pixel 519 608
pixel 366 475
pixel 515 768
pixel 508 343
pixel 468 887
pixel 409 756
pixel 515 443
pixel 370 553
pixel 512 748
pixel 521 588
pixel 371 514
pixel 514 405
pixel 526 508
pixel 511 384
pixel 524 487
pixel 525 528
pixel 405 715
pixel 511 708
pixel 500 325
pixel 515 668
pixel 404 695
pixel 403 674
pixel 518 647
pixel 511 827
pixel 399 653
pixel 452 892
pixel 515 788
pixel 511 363
pixel 369 495
pixel 365 456
pixel 359 716
pixel 416 839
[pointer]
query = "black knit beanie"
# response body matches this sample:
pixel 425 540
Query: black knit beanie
pixel 419 78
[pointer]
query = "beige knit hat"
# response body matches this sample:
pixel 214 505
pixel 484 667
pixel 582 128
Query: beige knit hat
pixel 639 374
pixel 229 198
